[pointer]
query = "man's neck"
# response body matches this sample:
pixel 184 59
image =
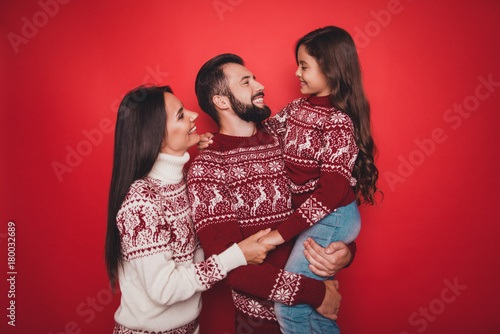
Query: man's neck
pixel 237 127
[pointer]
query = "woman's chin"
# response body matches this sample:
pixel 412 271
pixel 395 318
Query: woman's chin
pixel 193 140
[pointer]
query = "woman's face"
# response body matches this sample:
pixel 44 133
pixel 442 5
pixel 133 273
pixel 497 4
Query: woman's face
pixel 180 130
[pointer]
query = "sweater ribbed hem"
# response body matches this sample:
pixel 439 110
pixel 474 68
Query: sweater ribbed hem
pixel 291 227
pixel 246 324
pixel 232 258
pixel 190 328
pixel 313 293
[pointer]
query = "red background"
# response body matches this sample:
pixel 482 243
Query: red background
pixel 438 225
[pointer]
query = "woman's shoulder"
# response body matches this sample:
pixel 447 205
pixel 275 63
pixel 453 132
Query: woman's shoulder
pixel 142 203
pixel 142 196
pixel 142 190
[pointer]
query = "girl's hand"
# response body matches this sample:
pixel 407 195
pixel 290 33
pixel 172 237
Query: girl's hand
pixel 274 238
pixel 205 141
pixel 255 252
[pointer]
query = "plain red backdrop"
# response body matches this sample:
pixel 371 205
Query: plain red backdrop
pixel 426 66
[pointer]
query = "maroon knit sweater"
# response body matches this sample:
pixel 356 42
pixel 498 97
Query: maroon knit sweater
pixel 319 152
pixel 239 186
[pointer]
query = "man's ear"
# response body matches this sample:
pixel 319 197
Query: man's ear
pixel 221 102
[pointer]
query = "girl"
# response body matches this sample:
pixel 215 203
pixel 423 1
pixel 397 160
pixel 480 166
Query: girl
pixel 328 151
pixel 151 246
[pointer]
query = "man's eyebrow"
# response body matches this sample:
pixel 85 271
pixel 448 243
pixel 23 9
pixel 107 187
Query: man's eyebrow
pixel 245 78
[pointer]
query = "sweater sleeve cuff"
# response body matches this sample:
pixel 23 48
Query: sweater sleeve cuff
pixel 314 292
pixel 232 258
pixel 291 227
pixel 352 248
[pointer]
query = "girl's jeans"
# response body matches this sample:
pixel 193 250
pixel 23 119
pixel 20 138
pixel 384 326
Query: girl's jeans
pixel 344 225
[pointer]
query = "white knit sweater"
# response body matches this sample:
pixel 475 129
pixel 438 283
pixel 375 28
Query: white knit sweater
pixel 164 272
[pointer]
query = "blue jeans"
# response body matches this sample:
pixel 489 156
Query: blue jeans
pixel 344 225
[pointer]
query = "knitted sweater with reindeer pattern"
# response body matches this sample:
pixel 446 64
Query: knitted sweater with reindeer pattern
pixel 164 270
pixel 319 151
pixel 238 186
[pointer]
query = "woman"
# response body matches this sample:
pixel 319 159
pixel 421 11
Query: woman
pixel 151 246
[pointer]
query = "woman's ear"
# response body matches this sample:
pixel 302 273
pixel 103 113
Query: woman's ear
pixel 221 102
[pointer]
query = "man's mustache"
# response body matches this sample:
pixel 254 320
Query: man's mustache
pixel 257 95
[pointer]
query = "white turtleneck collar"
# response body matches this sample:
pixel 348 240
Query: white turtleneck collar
pixel 169 168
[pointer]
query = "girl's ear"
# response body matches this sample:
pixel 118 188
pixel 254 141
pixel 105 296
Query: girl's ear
pixel 221 102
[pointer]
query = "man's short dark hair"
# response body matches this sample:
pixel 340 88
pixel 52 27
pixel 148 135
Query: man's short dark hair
pixel 211 81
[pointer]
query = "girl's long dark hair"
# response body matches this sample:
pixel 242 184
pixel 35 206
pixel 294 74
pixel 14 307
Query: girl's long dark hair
pixel 334 50
pixel 139 131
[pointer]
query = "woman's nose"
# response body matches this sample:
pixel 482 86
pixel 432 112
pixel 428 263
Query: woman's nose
pixel 193 115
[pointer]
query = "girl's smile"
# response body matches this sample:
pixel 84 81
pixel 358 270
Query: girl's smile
pixel 312 80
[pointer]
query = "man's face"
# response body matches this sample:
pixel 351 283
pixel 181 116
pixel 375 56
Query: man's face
pixel 246 94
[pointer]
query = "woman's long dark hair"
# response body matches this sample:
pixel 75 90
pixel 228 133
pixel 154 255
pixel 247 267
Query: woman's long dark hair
pixel 139 131
pixel 334 50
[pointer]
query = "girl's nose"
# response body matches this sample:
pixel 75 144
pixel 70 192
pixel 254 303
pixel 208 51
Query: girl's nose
pixel 298 73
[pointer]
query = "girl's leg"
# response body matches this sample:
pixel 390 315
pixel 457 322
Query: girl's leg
pixel 343 224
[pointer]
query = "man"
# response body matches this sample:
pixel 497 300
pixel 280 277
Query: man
pixel 238 186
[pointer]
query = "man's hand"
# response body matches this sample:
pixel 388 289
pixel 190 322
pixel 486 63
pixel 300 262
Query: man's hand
pixel 274 238
pixel 255 252
pixel 326 262
pixel 331 304
pixel 205 141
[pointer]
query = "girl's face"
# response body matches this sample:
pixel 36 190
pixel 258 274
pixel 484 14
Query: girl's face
pixel 312 80
pixel 180 130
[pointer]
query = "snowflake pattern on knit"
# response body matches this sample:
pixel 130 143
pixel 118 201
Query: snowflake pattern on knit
pixel 186 329
pixel 286 287
pixel 239 184
pixel 313 211
pixel 198 170
pixel 208 272
pixel 155 218
pixel 316 137
pixel 255 195
pixel 252 307
pixel 320 151
pixel 304 188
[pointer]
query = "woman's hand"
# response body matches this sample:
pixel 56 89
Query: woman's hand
pixel 331 303
pixel 326 262
pixel 255 252
pixel 205 141
pixel 274 238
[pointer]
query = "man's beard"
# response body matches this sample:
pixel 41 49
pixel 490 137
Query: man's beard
pixel 249 112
